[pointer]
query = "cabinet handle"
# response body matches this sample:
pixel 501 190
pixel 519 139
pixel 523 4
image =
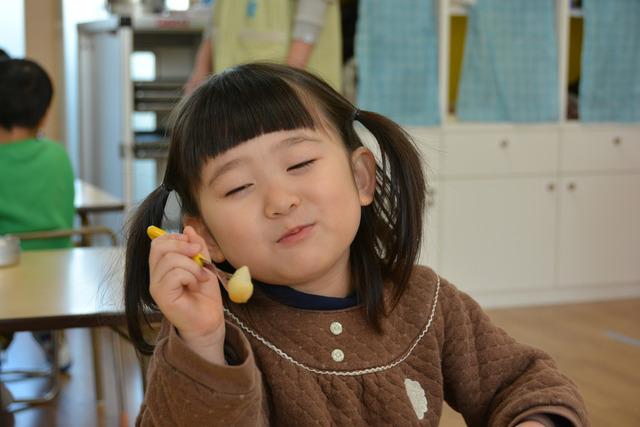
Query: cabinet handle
pixel 617 141
pixel 504 143
pixel 551 187
pixel 571 186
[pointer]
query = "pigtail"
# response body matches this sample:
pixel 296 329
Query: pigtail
pixel 137 298
pixel 391 227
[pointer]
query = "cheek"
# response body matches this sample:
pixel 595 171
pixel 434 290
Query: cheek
pixel 352 215
pixel 231 228
pixel 343 192
pixel 343 204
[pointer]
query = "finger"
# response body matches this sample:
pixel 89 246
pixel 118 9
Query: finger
pixel 161 246
pixel 178 283
pixel 168 241
pixel 172 286
pixel 211 287
pixel 194 286
pixel 171 260
pixel 153 258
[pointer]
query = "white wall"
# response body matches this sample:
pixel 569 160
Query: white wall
pixel 12 37
pixel 74 12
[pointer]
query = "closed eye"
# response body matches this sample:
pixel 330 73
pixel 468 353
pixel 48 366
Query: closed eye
pixel 237 190
pixel 301 165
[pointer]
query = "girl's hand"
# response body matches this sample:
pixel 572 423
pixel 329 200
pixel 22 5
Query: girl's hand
pixel 188 295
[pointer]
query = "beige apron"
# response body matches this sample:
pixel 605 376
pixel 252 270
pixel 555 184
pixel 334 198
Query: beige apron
pixel 254 30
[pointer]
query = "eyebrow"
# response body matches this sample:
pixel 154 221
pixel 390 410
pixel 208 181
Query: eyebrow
pixel 287 142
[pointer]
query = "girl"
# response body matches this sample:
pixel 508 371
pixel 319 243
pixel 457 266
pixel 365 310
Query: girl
pixel 265 169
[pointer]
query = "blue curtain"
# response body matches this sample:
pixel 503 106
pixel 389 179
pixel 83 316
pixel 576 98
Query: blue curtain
pixel 510 63
pixel 396 50
pixel 610 77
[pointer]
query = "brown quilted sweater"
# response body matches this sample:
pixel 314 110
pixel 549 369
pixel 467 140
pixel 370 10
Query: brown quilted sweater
pixel 398 378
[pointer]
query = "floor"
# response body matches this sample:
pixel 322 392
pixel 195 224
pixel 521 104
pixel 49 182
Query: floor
pixel 596 344
pixel 76 404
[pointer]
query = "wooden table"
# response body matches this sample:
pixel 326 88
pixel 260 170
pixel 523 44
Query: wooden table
pixel 91 199
pixel 66 288
pixel 62 288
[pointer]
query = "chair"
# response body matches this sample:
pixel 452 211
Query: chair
pixel 85 233
pixel 53 374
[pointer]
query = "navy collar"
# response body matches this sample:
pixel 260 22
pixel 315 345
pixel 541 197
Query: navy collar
pixel 288 296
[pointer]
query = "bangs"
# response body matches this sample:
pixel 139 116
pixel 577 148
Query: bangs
pixel 231 108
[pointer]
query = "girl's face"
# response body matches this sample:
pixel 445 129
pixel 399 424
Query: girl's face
pixel 287 204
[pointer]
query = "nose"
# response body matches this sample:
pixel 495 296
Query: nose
pixel 279 200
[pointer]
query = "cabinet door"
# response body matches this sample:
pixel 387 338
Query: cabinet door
pixel 428 142
pixel 498 234
pixel 599 230
pixel 600 148
pixel 481 153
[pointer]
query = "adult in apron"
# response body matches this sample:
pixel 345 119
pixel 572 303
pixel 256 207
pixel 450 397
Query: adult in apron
pixel 270 30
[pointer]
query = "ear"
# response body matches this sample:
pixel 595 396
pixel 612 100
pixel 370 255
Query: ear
pixel 363 164
pixel 201 228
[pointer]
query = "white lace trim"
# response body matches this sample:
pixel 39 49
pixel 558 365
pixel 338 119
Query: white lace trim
pixel 341 373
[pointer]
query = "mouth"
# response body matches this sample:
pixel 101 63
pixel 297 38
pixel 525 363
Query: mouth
pixel 295 234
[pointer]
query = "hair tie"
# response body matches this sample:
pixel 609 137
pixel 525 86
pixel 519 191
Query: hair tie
pixel 356 115
pixel 172 214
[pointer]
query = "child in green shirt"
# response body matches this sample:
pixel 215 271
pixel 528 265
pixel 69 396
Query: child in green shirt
pixel 36 178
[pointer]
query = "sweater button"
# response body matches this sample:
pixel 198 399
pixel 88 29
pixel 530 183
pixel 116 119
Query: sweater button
pixel 337 355
pixel 335 328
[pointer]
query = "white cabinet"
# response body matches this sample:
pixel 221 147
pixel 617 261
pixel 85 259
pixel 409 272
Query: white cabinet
pixel 599 215
pixel 428 141
pixel 592 148
pixel 511 150
pixel 599 230
pixel 498 197
pixel 526 215
pixel 498 234
pixel 532 213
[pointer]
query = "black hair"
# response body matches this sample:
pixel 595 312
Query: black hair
pixel 25 93
pixel 249 100
pixel 3 55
